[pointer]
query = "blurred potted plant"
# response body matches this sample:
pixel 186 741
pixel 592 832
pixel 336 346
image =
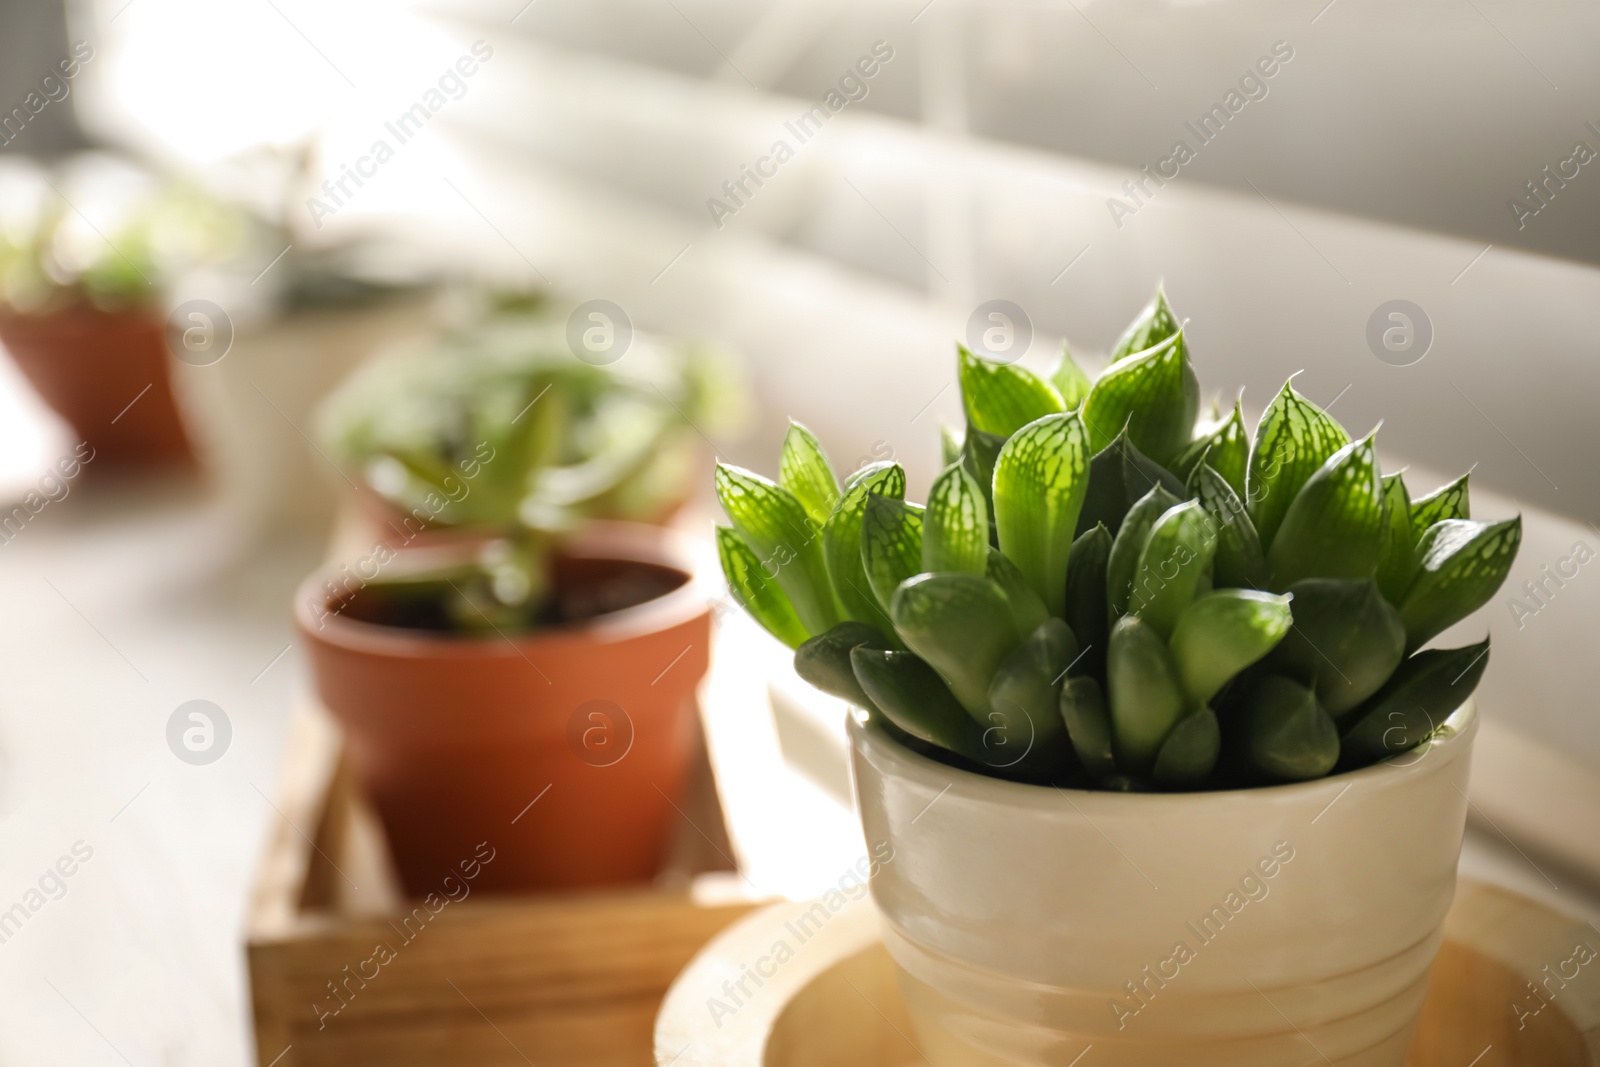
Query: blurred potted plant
pixel 530 678
pixel 86 258
pixel 1121 680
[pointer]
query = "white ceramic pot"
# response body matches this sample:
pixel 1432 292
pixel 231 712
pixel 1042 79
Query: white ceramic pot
pixel 1275 927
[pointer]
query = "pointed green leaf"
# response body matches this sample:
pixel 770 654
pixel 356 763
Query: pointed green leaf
pixel 1346 641
pixel 787 543
pixel 1024 695
pixel 1083 709
pixel 1460 565
pixel 1087 612
pixel 1190 751
pixel 1070 380
pixel 949 444
pixel 1126 548
pixel 1293 440
pixel 1288 736
pixel 803 470
pixel 1154 393
pixel 979 453
pixel 1450 502
pixel 1027 610
pixel 1335 526
pixel 755 592
pixel 1174 566
pixel 1240 561
pixel 1153 325
pixel 1002 398
pixel 1397 564
pixel 824 661
pixel 1222 633
pixel 1119 475
pixel 1145 695
pixel 1415 703
pixel 891 544
pixel 841 541
pixel 961 625
pixel 1226 448
pixel 955 528
pixel 911 696
pixel 1039 482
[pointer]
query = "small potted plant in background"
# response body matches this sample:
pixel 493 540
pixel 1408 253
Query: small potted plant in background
pixel 506 667
pixel 86 257
pixel 1146 712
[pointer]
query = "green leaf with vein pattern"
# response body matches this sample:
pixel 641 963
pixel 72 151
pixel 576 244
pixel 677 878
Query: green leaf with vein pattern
pixel 961 624
pixel 1240 561
pixel 1174 566
pixel 1293 440
pixel 841 541
pixel 803 470
pixel 774 524
pixel 1039 484
pixel 1335 526
pixel 1123 562
pixel 1227 449
pixel 1154 393
pixel 891 544
pixel 979 453
pixel 1070 380
pixel 1460 565
pixel 1001 398
pixel 1149 328
pixel 755 592
pixel 1398 562
pixel 955 528
pixel 1449 502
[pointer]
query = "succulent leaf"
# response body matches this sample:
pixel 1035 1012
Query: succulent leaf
pixel 1123 563
pixel 1174 566
pixel 1083 709
pixel 911 695
pixel 1039 483
pixel 1346 641
pixel 1335 526
pixel 891 544
pixel 949 444
pixel 1154 324
pixel 955 528
pixel 979 453
pixel 1239 559
pixel 1293 440
pixel 1397 564
pixel 1460 564
pixel 1222 633
pixel 1027 610
pixel 1414 704
pixel 1190 751
pixel 1226 448
pixel 775 525
pixel 755 592
pixel 803 470
pixel 1024 695
pixel 1002 398
pixel 824 661
pixel 1119 475
pixel 1288 736
pixel 1449 502
pixel 841 541
pixel 1145 694
pixel 1087 612
pixel 1070 380
pixel 1153 393
pixel 961 625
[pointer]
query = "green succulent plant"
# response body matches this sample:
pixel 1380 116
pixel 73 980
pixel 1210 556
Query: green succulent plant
pixel 497 431
pixel 1098 593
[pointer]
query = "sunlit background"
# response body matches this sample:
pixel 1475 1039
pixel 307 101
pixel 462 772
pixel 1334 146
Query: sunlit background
pixel 603 150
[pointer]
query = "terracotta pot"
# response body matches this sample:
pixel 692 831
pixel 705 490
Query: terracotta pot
pixel 92 366
pixel 564 749
pixel 1272 927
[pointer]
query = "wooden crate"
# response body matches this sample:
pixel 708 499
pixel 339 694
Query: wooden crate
pixel 551 980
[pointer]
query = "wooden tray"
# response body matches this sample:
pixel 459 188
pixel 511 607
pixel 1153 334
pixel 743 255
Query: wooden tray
pixel 552 980
pixel 836 1000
